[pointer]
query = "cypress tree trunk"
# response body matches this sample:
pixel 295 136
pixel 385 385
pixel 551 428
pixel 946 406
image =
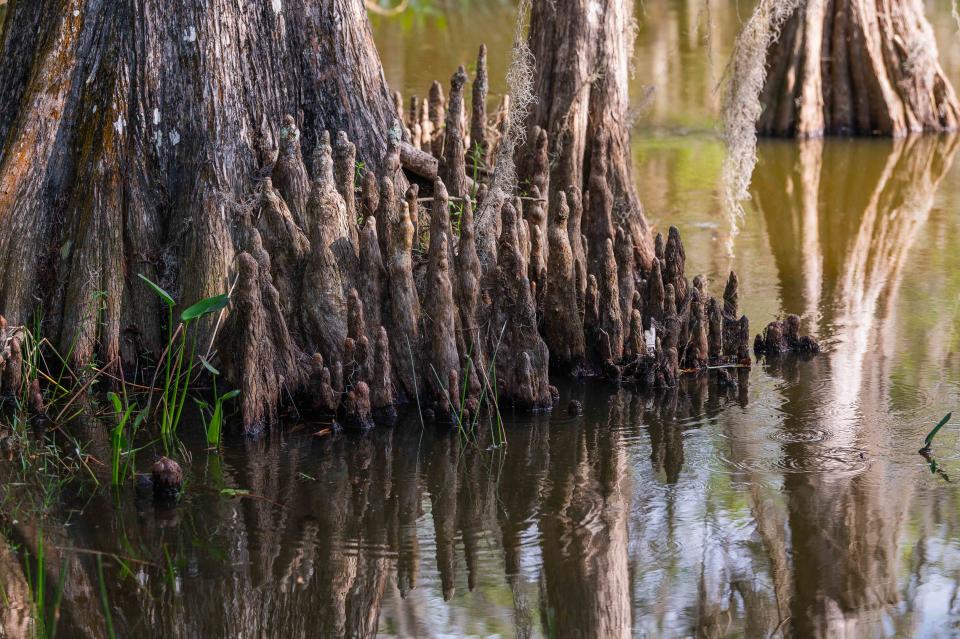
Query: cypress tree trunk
pixel 131 133
pixel 582 52
pixel 843 67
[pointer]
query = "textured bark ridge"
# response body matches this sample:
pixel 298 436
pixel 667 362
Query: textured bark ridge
pixel 845 67
pixel 581 50
pixel 348 295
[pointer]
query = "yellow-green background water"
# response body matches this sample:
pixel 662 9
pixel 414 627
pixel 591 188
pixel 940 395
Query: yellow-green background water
pixel 795 505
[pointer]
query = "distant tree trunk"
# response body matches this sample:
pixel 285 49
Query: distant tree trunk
pixel 582 52
pixel 843 67
pixel 130 137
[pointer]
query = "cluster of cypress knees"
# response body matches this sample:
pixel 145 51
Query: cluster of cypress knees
pixel 402 296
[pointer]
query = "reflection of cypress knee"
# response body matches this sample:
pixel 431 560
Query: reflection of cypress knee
pixel 442 484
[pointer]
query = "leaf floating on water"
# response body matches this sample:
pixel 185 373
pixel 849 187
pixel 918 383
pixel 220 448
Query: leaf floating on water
pixel 936 429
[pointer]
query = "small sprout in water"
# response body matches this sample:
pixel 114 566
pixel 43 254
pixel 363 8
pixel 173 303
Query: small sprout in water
pixel 933 433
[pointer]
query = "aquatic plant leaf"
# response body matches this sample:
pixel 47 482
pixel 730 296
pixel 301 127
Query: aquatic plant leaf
pixel 115 400
pixel 166 297
pixel 936 429
pixel 205 307
pixel 207 365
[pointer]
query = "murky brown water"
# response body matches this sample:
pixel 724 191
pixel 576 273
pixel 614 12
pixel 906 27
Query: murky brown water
pixel 796 505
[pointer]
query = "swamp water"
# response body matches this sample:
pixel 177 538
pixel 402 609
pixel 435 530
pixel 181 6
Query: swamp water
pixel 795 504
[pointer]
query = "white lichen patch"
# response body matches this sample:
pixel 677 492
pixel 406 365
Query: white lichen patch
pixel 190 34
pixel 120 124
pixel 174 137
pixel 277 6
pixel 156 117
pixel 594 13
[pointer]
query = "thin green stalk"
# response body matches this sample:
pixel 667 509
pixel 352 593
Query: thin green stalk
pixel 105 600
pixel 183 395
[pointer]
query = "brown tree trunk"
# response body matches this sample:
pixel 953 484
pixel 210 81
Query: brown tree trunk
pixel 130 136
pixel 843 67
pixel 582 54
pixel 134 139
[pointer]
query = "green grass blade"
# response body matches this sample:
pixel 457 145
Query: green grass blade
pixel 936 429
pixel 105 600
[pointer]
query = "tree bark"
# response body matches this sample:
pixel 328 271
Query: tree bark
pixel 851 67
pixel 582 53
pixel 130 137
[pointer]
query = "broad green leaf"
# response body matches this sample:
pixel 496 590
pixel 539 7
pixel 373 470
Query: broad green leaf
pixel 230 395
pixel 205 307
pixel 166 297
pixel 213 428
pixel 115 400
